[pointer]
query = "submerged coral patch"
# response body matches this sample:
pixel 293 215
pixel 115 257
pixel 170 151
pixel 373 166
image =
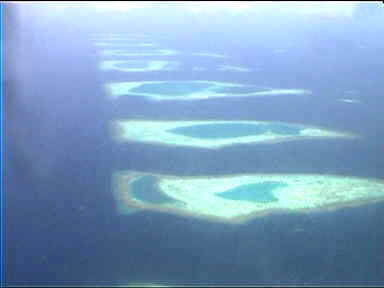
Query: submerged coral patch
pixel 350 101
pixel 139 65
pixel 208 54
pixel 231 68
pixel 138 53
pixel 119 37
pixel 123 44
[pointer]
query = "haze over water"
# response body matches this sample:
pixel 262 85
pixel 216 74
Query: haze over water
pixel 63 227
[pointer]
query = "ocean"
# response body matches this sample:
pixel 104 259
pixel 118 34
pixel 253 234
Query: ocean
pixel 62 225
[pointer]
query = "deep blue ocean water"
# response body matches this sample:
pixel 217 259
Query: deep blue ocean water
pixel 62 225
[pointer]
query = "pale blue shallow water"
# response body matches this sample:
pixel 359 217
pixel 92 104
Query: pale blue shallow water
pixel 171 88
pixel 240 90
pixel 132 64
pixel 256 192
pixel 233 130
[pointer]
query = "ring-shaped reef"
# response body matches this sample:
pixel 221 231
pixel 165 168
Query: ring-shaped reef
pixel 158 65
pixel 217 134
pixel 139 65
pixel 193 90
pixel 129 53
pixel 124 44
pixel 238 198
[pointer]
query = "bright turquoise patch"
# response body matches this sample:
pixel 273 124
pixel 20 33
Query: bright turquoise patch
pixel 232 130
pixel 171 88
pixel 256 192
pixel 145 189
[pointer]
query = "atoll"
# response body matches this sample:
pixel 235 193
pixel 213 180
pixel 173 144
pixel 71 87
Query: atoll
pixel 217 134
pixel 193 90
pixel 204 197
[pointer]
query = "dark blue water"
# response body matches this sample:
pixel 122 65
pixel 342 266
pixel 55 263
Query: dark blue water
pixel 145 189
pixel 62 226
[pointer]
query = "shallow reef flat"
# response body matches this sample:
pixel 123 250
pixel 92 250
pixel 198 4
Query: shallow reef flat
pixel 217 134
pixel 237 199
pixel 232 68
pixel 139 65
pixel 349 100
pixel 140 284
pixel 209 54
pixel 118 37
pixel 193 90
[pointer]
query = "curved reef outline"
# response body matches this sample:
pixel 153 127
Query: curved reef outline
pixel 304 193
